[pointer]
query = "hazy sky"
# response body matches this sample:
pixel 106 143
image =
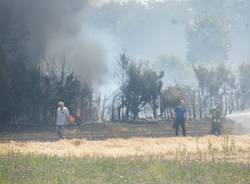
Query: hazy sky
pixel 128 31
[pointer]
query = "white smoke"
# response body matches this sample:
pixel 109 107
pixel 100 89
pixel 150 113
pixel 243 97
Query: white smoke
pixel 242 118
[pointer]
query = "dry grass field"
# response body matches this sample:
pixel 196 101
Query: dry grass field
pixel 189 160
pixel 231 147
pixel 38 157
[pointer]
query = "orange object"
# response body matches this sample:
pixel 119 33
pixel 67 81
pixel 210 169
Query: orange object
pixel 71 119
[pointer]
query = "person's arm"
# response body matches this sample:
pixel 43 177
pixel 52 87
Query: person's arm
pixel 185 113
pixel 175 111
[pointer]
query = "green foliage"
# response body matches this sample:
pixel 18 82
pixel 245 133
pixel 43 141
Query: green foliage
pixel 36 169
pixel 152 88
pixel 214 81
pixel 143 86
pixel 171 97
pixel 132 90
pixel 215 85
pixel 28 96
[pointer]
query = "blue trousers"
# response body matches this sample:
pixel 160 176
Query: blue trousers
pixel 180 122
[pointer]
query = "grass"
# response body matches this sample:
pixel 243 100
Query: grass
pixel 234 148
pixel 16 167
pixel 189 160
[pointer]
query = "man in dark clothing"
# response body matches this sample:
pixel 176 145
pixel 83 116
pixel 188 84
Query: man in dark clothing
pixel 180 116
pixel 216 115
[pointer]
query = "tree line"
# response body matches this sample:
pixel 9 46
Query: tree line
pixel 29 95
pixel 142 94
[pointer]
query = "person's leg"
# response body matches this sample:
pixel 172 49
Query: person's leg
pixel 219 128
pixel 176 127
pixel 213 128
pixel 62 132
pixel 58 131
pixel 183 127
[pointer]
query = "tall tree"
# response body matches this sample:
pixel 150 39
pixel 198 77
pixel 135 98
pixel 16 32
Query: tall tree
pixel 122 64
pixel 142 87
pixel 152 88
pixel 133 89
pixel 214 84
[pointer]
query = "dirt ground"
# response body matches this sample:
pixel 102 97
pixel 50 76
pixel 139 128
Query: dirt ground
pixel 102 131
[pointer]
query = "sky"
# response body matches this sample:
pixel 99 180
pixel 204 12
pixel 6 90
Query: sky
pixel 154 39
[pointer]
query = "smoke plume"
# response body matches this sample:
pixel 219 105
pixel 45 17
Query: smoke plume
pixel 54 27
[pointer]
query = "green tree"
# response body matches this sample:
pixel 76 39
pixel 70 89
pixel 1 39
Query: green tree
pixel 214 84
pixel 170 98
pixel 133 89
pixel 121 70
pixel 152 85
pixel 142 87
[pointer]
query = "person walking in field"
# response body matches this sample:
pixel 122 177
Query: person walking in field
pixel 180 116
pixel 62 117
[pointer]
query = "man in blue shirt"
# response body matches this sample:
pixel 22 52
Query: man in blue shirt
pixel 180 116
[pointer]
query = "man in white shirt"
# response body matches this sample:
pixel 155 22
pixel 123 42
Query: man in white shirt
pixel 62 117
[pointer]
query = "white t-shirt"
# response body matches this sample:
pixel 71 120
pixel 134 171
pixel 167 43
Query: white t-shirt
pixel 61 116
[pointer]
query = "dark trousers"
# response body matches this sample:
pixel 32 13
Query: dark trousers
pixel 60 131
pixel 216 128
pixel 180 122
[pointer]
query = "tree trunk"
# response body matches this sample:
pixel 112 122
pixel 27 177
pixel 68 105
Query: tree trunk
pixel 154 108
pixel 127 113
pixel 122 107
pixel 193 105
pixel 119 113
pixel 113 110
pixel 200 106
